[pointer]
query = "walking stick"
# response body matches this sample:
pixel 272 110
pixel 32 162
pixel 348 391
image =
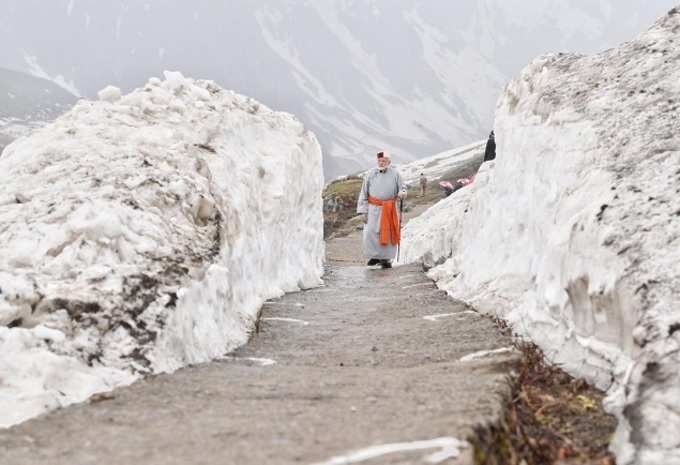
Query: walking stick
pixel 401 216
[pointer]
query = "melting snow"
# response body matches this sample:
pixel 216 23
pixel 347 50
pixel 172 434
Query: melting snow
pixel 142 233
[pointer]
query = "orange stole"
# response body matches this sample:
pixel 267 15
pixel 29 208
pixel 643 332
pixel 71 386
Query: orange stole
pixel 389 220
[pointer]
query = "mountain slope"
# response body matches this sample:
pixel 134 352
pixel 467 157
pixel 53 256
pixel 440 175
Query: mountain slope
pixel 26 97
pixel 413 77
pixel 26 102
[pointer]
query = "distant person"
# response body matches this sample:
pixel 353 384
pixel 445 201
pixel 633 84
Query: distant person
pixel 423 184
pixel 490 151
pixel 377 202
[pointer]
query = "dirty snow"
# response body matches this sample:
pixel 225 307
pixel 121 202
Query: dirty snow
pixel 573 234
pixel 143 233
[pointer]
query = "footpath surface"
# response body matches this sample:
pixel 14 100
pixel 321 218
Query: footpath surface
pixel 366 369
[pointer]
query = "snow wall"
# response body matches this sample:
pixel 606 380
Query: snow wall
pixel 572 234
pixel 142 233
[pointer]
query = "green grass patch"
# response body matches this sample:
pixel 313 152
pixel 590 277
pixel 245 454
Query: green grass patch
pixel 343 188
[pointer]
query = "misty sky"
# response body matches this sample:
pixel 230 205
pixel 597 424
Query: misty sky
pixel 93 42
pixel 415 76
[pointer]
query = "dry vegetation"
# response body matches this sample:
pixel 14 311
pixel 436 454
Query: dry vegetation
pixel 339 205
pixel 551 418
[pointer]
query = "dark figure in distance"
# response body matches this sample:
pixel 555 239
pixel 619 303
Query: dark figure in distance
pixel 490 151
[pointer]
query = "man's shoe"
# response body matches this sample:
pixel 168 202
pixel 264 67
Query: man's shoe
pixel 373 262
pixel 386 264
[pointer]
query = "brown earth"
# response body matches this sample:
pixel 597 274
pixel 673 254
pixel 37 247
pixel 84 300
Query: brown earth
pixel 551 418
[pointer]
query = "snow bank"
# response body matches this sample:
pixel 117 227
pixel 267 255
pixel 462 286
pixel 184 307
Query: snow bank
pixel 109 94
pixel 140 234
pixel 573 233
pixel 432 237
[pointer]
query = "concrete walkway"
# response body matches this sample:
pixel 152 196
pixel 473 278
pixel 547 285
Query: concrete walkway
pixel 371 359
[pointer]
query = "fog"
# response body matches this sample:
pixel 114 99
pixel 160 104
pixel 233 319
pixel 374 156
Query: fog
pixel 412 76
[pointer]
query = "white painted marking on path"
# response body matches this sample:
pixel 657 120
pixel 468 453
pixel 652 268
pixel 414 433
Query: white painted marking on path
pixel 287 320
pixel 438 316
pixel 449 448
pixel 265 362
pixel 446 315
pixel 486 353
pixel 296 304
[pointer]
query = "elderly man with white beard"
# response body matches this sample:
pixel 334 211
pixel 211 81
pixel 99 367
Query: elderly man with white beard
pixel 378 203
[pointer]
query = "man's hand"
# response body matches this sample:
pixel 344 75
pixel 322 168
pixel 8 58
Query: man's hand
pixel 402 195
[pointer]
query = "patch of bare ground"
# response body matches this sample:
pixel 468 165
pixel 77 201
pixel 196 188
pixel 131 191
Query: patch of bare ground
pixel 550 419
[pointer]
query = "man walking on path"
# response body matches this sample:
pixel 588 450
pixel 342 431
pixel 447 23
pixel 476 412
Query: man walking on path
pixel 423 184
pixel 378 203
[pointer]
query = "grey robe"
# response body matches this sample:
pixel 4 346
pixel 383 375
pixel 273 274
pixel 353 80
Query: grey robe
pixel 383 186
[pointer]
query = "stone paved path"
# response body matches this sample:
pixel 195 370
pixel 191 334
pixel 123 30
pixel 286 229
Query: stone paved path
pixel 332 371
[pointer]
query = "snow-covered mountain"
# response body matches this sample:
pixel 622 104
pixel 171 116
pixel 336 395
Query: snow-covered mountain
pixel 26 102
pixel 441 165
pixel 26 97
pixel 414 77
